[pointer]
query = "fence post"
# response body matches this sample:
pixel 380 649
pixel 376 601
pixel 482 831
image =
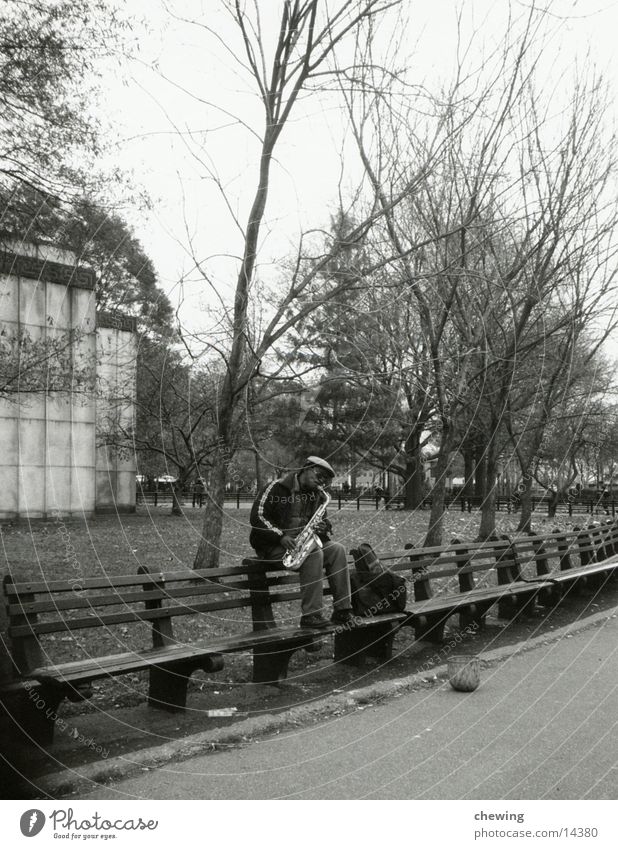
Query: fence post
pixel 358 503
pixel 156 497
pixel 237 500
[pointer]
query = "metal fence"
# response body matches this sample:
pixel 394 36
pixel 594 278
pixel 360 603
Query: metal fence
pixel 364 500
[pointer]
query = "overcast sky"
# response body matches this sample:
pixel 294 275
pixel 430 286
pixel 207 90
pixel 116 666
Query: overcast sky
pixel 161 126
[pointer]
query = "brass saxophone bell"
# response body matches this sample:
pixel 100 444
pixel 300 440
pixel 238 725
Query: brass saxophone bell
pixel 307 540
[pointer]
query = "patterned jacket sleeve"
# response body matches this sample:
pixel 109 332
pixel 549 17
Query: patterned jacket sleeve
pixel 264 515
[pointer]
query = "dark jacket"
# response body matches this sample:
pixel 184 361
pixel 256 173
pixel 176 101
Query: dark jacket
pixel 271 513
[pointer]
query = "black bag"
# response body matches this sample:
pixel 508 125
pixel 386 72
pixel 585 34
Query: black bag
pixel 375 589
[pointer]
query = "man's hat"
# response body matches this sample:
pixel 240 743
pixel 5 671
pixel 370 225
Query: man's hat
pixel 320 463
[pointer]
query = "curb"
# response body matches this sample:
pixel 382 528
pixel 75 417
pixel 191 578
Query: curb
pixel 71 781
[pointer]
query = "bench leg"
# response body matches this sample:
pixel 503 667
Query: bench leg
pixel 169 682
pixel 600 580
pixel 585 584
pixel 474 615
pixel 514 606
pixel 270 663
pixel 168 688
pixel 549 597
pixel 573 587
pixel 352 645
pixel 430 628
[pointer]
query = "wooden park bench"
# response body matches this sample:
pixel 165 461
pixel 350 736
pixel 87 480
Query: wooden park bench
pixel 583 557
pixel 153 605
pixel 466 579
pixel 469 578
pixel 462 578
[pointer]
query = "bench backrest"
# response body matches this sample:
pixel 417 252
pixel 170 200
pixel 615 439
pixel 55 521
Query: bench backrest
pixel 45 609
pixel 563 550
pixel 465 566
pixel 457 567
pixel 42 609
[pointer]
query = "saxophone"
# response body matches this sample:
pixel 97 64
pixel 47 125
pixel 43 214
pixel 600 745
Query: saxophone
pixel 307 540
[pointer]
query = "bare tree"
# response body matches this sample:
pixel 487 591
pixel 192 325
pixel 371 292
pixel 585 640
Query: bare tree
pixel 308 37
pixel 515 205
pixel 448 217
pixel 173 424
pixel 559 264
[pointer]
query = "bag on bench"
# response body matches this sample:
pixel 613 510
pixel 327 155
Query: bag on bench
pixel 375 589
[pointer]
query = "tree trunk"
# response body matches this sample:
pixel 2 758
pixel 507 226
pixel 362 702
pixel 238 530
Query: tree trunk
pixel 414 486
pixel 488 511
pixel 525 494
pixel 480 472
pixel 207 556
pixel 176 493
pixel 414 491
pixel 436 517
pixel 468 485
pixel 259 474
pixel 177 489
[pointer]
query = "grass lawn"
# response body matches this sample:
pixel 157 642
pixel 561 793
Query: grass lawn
pixel 152 537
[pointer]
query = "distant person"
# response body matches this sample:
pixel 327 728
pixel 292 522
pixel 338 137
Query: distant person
pixel 198 492
pixel 279 514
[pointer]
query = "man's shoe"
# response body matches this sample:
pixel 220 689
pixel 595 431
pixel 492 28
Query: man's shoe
pixel 313 620
pixel 342 617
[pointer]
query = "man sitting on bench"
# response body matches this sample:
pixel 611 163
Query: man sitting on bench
pixel 279 514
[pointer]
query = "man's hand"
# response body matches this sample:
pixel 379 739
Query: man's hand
pixel 288 543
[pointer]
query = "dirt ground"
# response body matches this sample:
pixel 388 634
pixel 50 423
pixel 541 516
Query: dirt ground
pixel 117 719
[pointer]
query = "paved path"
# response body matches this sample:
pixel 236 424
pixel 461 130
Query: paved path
pixel 541 726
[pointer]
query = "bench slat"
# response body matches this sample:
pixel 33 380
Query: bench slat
pixel 124 618
pixel 114 581
pixel 79 603
pixel 582 571
pixel 456 548
pixel 441 603
pixel 91 669
pixel 435 565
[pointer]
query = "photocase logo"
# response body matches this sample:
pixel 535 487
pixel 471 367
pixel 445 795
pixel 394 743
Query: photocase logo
pixel 32 822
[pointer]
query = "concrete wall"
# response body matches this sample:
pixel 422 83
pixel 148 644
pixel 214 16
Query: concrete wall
pixel 116 361
pixel 48 454
pixel 47 438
